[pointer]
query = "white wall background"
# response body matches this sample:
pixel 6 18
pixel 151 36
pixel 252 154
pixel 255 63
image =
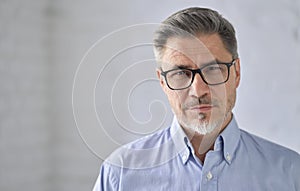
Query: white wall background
pixel 43 41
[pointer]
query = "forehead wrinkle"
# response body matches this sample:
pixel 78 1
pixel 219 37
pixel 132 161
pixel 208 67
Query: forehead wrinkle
pixel 182 46
pixel 177 56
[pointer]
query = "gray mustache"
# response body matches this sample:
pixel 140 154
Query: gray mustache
pixel 199 101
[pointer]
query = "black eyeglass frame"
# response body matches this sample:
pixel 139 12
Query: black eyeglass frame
pixel 199 71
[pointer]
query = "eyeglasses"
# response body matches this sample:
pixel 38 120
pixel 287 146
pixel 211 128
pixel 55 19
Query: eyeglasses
pixel 212 74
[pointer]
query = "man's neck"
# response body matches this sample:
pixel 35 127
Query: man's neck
pixel 202 144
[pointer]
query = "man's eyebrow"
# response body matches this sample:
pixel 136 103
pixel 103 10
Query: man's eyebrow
pixel 209 63
pixel 182 66
pixel 179 66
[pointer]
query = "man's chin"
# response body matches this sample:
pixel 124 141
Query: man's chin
pixel 203 130
pixel 196 127
pixel 202 126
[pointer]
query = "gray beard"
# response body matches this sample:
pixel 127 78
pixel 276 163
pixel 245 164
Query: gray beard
pixel 201 128
pixel 204 127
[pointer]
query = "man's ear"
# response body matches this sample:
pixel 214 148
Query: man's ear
pixel 161 80
pixel 237 72
pixel 159 77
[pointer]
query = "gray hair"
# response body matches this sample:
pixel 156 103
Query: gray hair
pixel 193 21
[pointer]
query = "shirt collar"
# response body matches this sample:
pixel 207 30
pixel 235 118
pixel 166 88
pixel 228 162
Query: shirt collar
pixel 228 140
pixel 180 141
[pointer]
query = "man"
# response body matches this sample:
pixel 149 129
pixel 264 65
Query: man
pixel 203 149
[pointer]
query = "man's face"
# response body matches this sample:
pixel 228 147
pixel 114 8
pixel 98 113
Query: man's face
pixel 201 108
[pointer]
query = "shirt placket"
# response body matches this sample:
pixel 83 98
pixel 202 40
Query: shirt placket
pixel 210 171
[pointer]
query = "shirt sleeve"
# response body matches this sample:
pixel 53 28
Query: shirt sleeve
pixel 296 171
pixel 107 179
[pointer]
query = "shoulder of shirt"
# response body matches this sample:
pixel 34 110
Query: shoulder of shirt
pixel 135 152
pixel 155 139
pixel 267 147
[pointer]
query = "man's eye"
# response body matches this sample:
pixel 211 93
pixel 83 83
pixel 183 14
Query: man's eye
pixel 180 73
pixel 214 68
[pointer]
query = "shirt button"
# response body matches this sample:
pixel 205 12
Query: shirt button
pixel 228 157
pixel 209 176
pixel 184 157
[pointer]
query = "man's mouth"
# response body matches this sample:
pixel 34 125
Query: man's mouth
pixel 202 108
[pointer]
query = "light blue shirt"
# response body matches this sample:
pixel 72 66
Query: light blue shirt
pixel 165 160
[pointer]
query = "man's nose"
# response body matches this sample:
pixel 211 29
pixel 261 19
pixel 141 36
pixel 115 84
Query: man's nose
pixel 198 87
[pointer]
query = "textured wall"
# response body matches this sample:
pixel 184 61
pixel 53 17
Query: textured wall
pixel 42 43
pixel 25 160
